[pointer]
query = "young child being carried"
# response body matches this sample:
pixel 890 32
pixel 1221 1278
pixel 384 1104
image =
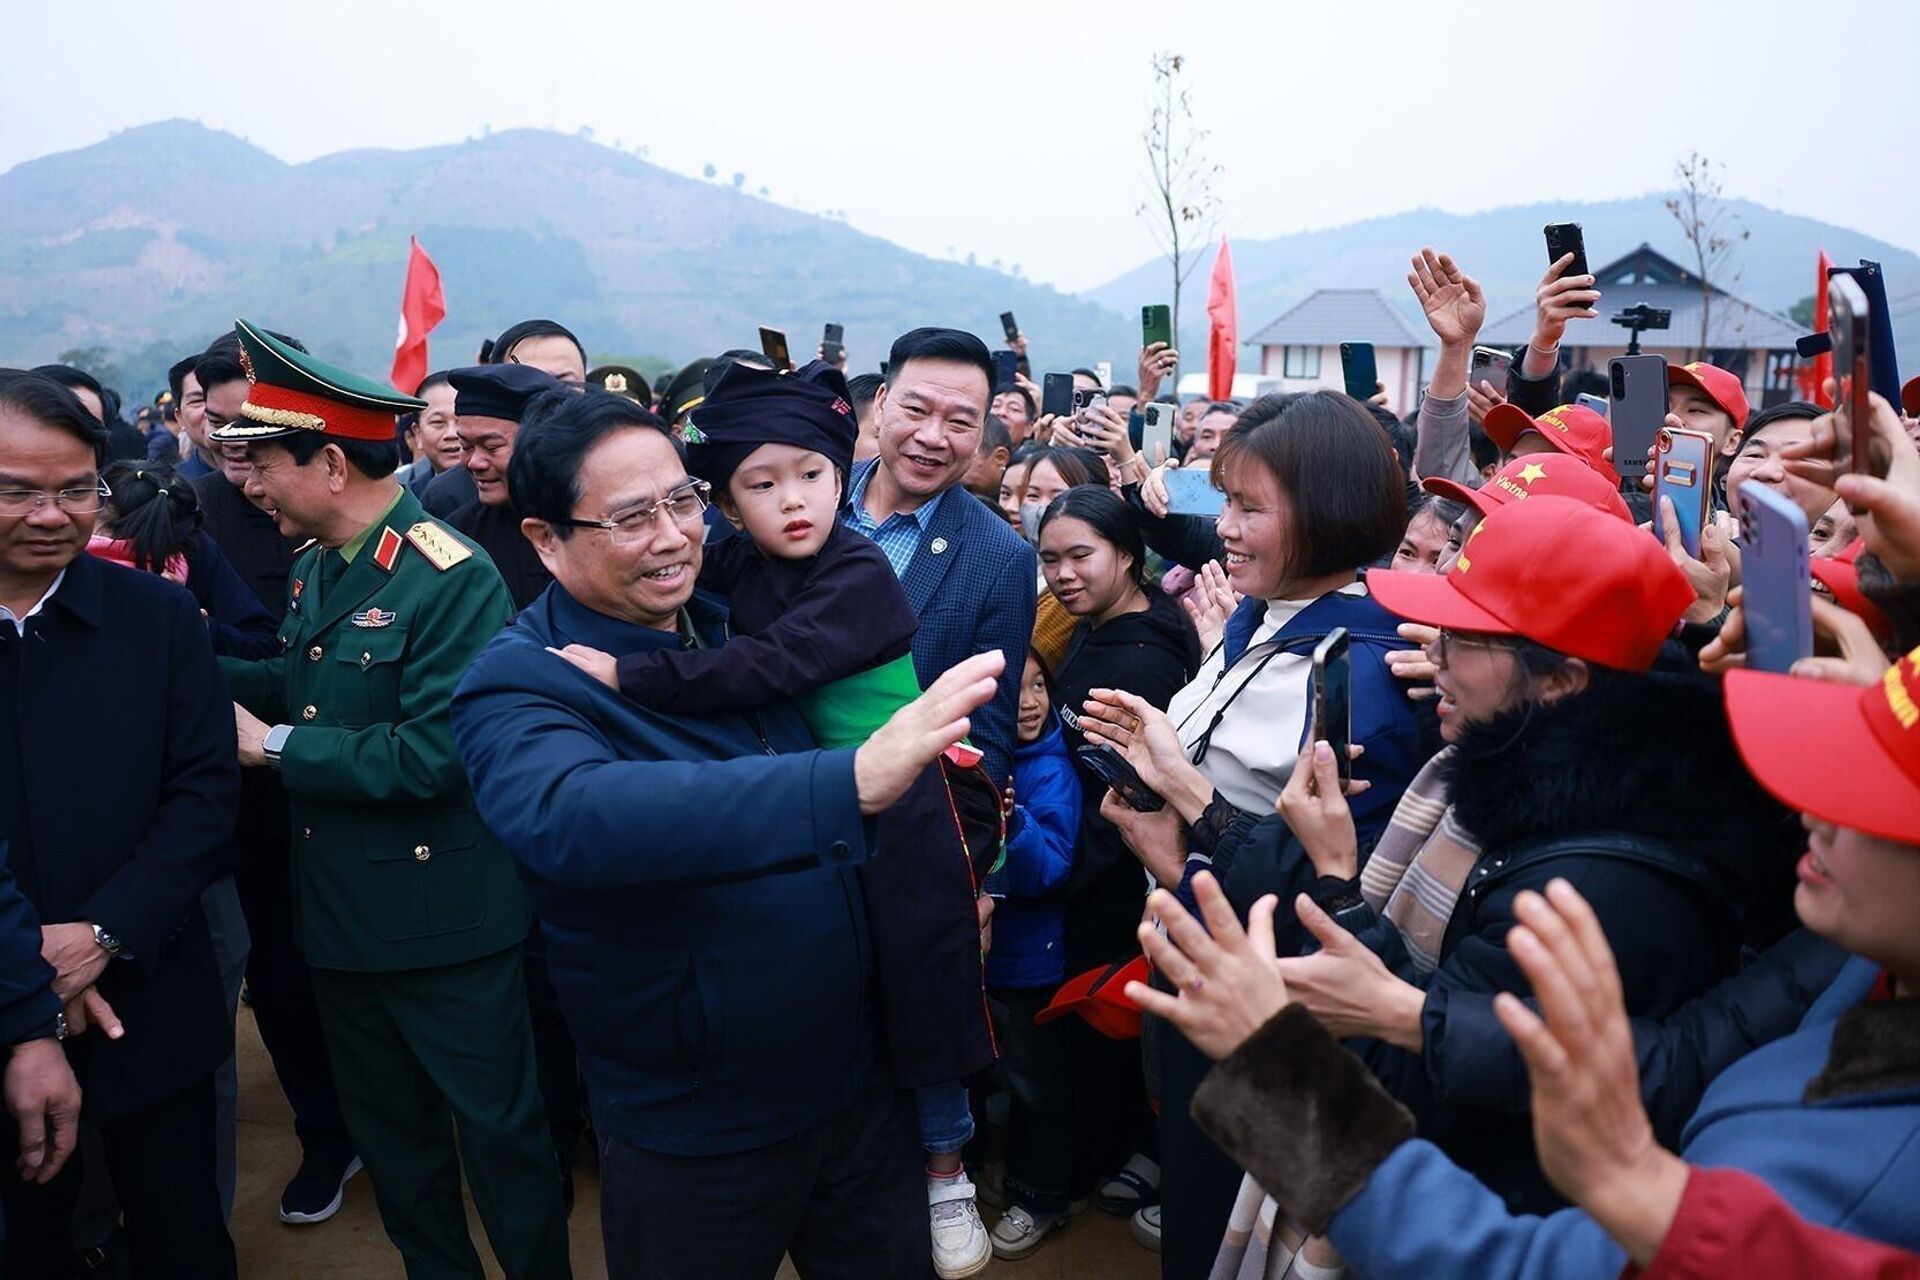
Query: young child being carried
pixel 820 618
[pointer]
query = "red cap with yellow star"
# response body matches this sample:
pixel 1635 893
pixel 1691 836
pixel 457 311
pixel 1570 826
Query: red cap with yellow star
pixel 1538 475
pixel 1558 572
pixel 1571 429
pixel 1866 773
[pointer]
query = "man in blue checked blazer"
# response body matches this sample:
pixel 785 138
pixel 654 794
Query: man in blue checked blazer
pixel 970 578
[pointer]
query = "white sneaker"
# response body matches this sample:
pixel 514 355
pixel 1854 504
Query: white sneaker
pixel 1146 1227
pixel 1019 1233
pixel 961 1246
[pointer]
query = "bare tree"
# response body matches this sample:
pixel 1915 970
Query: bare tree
pixel 1183 211
pixel 1711 229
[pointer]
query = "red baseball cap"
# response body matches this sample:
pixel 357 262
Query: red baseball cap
pixel 1866 772
pixel 1573 429
pixel 1721 387
pixel 1559 573
pixel 1840 575
pixel 1538 475
pixel 1100 996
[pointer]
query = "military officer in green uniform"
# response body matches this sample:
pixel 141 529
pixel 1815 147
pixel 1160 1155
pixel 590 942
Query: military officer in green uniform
pixel 409 912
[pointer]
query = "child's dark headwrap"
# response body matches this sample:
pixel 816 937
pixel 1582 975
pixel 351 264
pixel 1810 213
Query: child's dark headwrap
pixel 809 408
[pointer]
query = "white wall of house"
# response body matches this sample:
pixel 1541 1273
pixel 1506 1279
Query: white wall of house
pixel 1312 368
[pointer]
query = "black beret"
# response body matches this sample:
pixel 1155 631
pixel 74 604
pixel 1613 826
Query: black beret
pixel 497 390
pixel 748 407
pixel 622 380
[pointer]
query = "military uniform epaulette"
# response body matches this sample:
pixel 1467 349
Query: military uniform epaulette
pixel 442 549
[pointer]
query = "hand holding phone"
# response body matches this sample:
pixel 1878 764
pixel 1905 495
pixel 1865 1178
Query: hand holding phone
pixel 833 347
pixel 1776 602
pixel 1190 492
pixel 1683 474
pixel 773 343
pixel 1489 365
pixel 1332 700
pixel 1056 395
pixel 1111 767
pixel 1156 432
pixel 1636 410
pixel 1009 327
pixel 1156 325
pixel 1850 322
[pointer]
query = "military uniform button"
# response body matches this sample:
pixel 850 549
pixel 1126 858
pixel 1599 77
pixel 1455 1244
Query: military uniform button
pixel 313 654
pixel 309 711
pixel 421 853
pixel 366 660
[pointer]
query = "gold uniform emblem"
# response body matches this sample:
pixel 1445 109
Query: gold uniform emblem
pixel 442 549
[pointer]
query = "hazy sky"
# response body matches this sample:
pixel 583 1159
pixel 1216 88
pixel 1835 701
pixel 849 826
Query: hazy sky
pixel 1013 131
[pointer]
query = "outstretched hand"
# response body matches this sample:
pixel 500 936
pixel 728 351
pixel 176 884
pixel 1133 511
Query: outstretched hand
pixel 1227 982
pixel 1452 300
pixel 1591 1129
pixel 914 736
pixel 1348 988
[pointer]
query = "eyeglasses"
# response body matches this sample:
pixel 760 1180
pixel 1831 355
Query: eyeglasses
pixel 685 505
pixel 76 502
pixel 1447 639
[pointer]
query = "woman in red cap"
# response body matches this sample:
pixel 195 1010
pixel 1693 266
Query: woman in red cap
pixel 1828 1117
pixel 1568 755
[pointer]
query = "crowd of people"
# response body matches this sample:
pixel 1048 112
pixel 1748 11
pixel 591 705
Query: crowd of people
pixel 843 802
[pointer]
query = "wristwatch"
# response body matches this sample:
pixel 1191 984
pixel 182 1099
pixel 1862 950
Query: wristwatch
pixel 274 743
pixel 107 942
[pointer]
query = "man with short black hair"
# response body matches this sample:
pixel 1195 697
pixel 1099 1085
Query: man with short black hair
pixel 123 440
pixel 406 908
pixel 970 578
pixel 730 1045
pixel 989 465
pixel 113 858
pixel 1014 406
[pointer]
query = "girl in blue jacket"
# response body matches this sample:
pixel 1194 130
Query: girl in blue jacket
pixel 1027 965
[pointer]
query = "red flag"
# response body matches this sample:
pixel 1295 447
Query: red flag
pixel 1822 364
pixel 1224 340
pixel 422 306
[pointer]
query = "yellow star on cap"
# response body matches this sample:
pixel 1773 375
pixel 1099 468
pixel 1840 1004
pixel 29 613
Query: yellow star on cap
pixel 1531 472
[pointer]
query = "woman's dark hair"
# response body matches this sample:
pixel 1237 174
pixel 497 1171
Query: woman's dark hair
pixel 51 404
pixel 1445 510
pixel 373 459
pixel 557 430
pixel 1110 518
pixel 1076 466
pixel 516 334
pixel 1346 491
pixel 151 509
pixel 954 345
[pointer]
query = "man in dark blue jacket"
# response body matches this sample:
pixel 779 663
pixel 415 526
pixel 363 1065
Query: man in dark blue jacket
pixel 694 878
pixel 970 578
pixel 118 787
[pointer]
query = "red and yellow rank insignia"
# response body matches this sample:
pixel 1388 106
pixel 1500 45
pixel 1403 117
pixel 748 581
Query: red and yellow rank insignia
pixel 388 551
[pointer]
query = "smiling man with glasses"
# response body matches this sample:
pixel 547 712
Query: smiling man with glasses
pixel 696 880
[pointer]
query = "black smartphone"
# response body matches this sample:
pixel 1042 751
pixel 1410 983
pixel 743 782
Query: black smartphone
pixel 1850 323
pixel 1565 238
pixel 1056 394
pixel 1156 325
pixel 833 345
pixel 1332 700
pixel 1112 768
pixel 1005 365
pixel 1358 371
pixel 1085 398
pixel 1008 327
pixel 773 344
pixel 1637 410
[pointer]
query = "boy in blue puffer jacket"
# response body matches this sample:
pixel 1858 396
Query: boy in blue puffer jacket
pixel 1027 965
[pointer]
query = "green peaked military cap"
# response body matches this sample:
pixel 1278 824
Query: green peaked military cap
pixel 289 391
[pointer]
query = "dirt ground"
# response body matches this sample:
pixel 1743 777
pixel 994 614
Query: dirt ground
pixel 352 1246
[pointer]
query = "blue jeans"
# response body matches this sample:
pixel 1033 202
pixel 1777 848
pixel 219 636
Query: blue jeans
pixel 946 1119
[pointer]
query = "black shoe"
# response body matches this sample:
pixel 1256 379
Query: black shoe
pixel 316 1191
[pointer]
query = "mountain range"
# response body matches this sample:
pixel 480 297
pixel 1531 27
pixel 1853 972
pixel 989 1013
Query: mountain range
pixel 146 245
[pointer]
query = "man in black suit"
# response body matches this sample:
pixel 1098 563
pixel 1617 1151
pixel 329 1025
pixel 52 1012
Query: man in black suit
pixel 117 795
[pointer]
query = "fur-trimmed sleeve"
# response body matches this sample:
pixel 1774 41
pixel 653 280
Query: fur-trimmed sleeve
pixel 1302 1115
